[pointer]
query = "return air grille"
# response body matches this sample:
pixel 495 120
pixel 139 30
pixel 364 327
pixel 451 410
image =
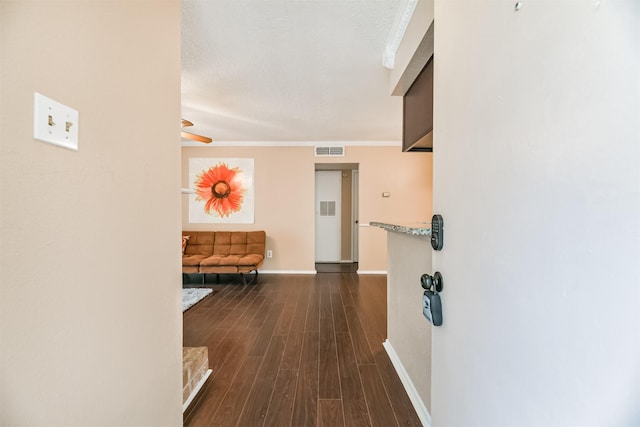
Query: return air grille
pixel 327 151
pixel 328 208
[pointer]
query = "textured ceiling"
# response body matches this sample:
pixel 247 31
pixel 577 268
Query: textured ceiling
pixel 283 70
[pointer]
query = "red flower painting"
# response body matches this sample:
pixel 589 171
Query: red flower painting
pixel 221 189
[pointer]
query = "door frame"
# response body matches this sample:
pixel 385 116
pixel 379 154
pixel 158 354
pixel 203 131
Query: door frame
pixel 354 169
pixel 355 209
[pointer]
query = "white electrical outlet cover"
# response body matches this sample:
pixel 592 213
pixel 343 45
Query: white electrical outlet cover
pixel 63 130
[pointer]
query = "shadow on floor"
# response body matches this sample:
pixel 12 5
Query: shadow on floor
pixel 198 279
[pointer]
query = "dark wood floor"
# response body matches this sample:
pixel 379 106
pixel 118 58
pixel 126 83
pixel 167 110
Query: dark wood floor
pixel 297 351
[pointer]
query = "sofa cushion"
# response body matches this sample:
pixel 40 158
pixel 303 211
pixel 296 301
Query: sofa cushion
pixel 239 242
pixel 184 243
pixel 244 260
pixel 256 242
pixel 193 260
pixel 200 243
pixel 212 260
pixel 222 244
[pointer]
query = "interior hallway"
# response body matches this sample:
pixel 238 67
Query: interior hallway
pixel 297 350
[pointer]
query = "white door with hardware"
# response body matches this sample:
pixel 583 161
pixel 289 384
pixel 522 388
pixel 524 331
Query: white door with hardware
pixel 328 215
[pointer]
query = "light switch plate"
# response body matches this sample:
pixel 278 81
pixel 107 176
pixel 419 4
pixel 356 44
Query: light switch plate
pixel 54 122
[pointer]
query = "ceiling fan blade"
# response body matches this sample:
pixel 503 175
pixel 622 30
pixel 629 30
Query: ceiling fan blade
pixel 185 123
pixel 195 137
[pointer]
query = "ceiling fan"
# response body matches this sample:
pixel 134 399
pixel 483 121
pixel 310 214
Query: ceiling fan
pixel 193 136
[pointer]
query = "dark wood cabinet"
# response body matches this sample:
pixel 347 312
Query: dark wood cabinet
pixel 417 112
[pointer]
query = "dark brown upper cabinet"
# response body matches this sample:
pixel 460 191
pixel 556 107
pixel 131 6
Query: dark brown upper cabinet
pixel 417 112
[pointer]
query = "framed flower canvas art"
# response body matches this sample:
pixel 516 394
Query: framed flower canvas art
pixel 223 191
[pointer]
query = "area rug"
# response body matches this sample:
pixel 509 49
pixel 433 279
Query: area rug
pixel 190 296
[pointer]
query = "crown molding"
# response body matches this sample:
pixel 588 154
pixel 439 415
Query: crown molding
pixel 215 144
pixel 400 24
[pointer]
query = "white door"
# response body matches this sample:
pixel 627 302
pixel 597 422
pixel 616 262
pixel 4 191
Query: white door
pixel 536 173
pixel 328 215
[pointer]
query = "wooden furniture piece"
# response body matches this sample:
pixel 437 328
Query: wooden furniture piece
pixel 195 371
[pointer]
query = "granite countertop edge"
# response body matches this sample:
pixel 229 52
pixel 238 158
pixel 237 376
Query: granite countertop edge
pixel 417 229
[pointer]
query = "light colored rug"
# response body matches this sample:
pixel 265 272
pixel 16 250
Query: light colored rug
pixel 190 296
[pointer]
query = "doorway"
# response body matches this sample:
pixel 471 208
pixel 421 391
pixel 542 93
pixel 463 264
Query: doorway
pixel 336 217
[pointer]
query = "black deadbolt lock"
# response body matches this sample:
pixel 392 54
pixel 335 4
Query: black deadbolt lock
pixel 437 239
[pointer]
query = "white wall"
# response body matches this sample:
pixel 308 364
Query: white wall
pixel 536 172
pixel 408 331
pixel 90 320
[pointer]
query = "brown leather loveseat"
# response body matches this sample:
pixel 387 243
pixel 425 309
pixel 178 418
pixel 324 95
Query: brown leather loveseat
pixel 235 252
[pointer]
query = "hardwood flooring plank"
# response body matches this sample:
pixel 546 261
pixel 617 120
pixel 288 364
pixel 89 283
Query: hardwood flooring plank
pixel 372 302
pixel 337 308
pixel 355 408
pixel 223 377
pixel 219 354
pixel 305 407
pixel 300 315
pixel 195 319
pixel 281 405
pixel 266 331
pixel 261 315
pixel 235 398
pixel 360 342
pixel 292 351
pixel 255 409
pixel 329 379
pixel 343 288
pixel 312 323
pixel 238 339
pixel 377 400
pixel 252 310
pixel 197 402
pixel 330 413
pixel 200 308
pixel 284 323
pixel 228 300
pixel 229 316
pixel 402 406
pixel 224 323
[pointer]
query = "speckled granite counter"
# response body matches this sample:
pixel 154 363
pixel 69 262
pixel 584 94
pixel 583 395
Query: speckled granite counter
pixel 415 229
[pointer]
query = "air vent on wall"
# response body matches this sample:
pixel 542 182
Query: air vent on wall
pixel 327 151
pixel 328 208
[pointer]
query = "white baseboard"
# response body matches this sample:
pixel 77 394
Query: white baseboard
pixel 287 271
pixel 195 391
pixel 372 271
pixel 416 401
